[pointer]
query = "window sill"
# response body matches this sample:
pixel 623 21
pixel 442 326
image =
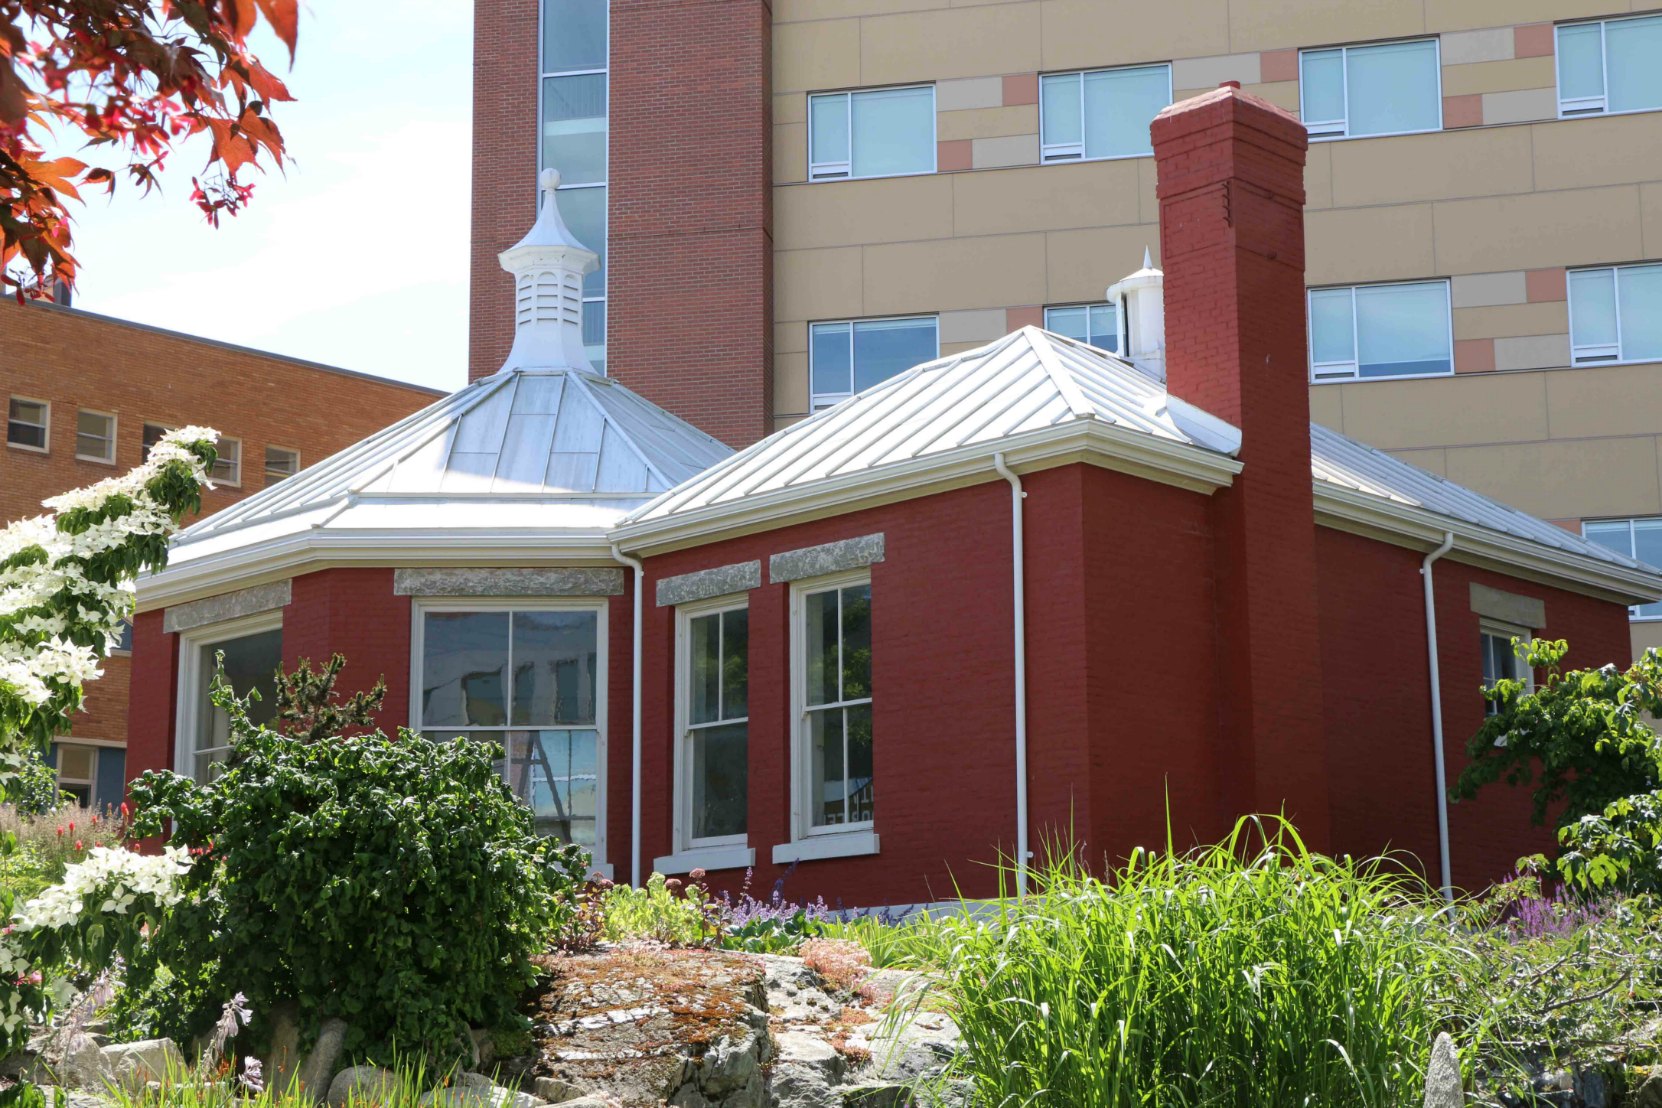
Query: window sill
pixel 846 844
pixel 706 857
pixel 604 870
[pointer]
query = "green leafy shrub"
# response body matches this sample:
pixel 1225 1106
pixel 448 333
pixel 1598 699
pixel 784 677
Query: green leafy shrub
pixel 394 882
pixel 665 910
pixel 1249 973
pixel 35 791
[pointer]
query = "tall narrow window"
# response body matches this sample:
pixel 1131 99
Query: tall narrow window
pixel 1636 538
pixel 713 764
pixel 252 649
pixel 227 468
pixel 95 436
pixel 1614 65
pixel 1100 113
pixel 28 424
pixel 152 434
pixel 833 663
pixel 849 357
pixel 77 766
pixel 574 136
pixel 528 678
pixel 1096 324
pixel 888 132
pixel 1501 659
pixel 280 463
pixel 1616 314
pixel 1391 89
pixel 1370 331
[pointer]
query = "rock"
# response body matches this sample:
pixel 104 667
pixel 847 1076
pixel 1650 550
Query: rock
pixel 1649 1094
pixel 556 1090
pixel 367 1083
pixel 1443 1087
pixel 1592 1087
pixel 877 1096
pixel 133 1065
pixel 478 1096
pixel 323 1059
pixel 281 1064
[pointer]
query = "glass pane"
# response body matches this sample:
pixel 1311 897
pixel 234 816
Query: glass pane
pixel 75 762
pixel 1647 544
pixel 1633 49
pixel 1322 86
pixel 584 211
pixel 1592 307
pixel 1060 95
pixel 228 464
pixel 594 325
pixel 1072 322
pixel 829 128
pixel 720 771
pixel 1119 106
pixel 555 666
pixel 1393 88
pixel 92 435
pixel 1403 329
pixel 820 622
pixel 832 371
pixel 1331 336
pixel 1639 292
pixel 893 131
pixel 856 642
pixel 574 128
pixel 250 664
pixel 463 657
pixel 556 774
pixel 1580 62
pixel 573 35
pixel 886 347
pixel 735 663
pixel 857 728
pixel 1612 535
pixel 704 669
pixel 1105 333
pixel 1491 661
pixel 827 802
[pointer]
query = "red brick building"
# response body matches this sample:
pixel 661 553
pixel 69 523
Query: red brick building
pixel 1029 590
pixel 86 393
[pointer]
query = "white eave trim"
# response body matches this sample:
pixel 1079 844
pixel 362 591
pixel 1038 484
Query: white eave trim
pixel 1418 529
pixel 1092 441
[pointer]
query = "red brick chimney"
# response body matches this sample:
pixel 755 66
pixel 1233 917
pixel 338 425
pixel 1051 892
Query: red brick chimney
pixel 1231 187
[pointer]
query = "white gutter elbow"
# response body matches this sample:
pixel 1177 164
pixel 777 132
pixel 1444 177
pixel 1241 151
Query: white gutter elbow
pixel 1019 597
pixel 1441 773
pixel 634 720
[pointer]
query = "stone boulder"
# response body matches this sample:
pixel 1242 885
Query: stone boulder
pixel 365 1083
pixel 1443 1087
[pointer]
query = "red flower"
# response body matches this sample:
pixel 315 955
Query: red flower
pixel 78 845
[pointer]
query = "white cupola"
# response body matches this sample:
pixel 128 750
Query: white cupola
pixel 1142 312
pixel 548 265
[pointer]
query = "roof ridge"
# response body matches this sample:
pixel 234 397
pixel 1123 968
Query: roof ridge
pixel 1039 340
pixel 617 428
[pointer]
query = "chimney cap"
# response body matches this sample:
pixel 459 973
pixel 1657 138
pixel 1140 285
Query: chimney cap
pixel 1229 84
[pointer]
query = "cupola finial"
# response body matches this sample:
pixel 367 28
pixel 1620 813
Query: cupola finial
pixel 548 265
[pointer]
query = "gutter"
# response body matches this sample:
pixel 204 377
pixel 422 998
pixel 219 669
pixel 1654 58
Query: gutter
pixel 1437 709
pixel 1019 597
pixel 634 720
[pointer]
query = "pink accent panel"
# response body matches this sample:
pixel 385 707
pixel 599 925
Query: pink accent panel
pixel 954 154
pixel 1021 88
pixel 1017 318
pixel 1463 111
pixel 1278 65
pixel 1474 355
pixel 1532 40
pixel 1545 284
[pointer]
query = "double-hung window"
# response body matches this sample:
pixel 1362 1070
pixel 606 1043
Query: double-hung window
pixel 28 424
pixel 1503 659
pixel 1393 88
pixel 1636 538
pixel 712 759
pixel 252 649
pixel 77 767
pixel 1096 324
pixel 1614 65
pixel 227 469
pixel 851 356
pixel 1100 113
pixel 528 677
pixel 886 132
pixel 1616 314
pixel 152 434
pixel 280 463
pixel 95 436
pixel 832 663
pixel 1370 331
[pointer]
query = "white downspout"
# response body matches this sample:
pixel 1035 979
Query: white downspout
pixel 1437 710
pixel 1019 594
pixel 635 721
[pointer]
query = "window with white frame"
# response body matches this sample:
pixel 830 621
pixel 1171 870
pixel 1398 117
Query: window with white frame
pixel 280 463
pixel 1371 331
pixel 152 434
pixel 1615 314
pixel 1096 324
pixel 713 708
pixel 574 131
pixel 529 677
pixel 95 436
pixel 252 650
pixel 1614 65
pixel 227 468
pixel 850 356
pixel 885 132
pixel 1503 658
pixel 1100 113
pixel 832 663
pixel 1636 538
pixel 1393 88
pixel 28 424
pixel 78 771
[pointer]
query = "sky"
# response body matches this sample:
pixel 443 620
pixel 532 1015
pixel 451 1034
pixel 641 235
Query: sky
pixel 358 256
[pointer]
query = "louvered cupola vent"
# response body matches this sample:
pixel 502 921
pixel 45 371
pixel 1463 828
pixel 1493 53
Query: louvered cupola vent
pixel 548 265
